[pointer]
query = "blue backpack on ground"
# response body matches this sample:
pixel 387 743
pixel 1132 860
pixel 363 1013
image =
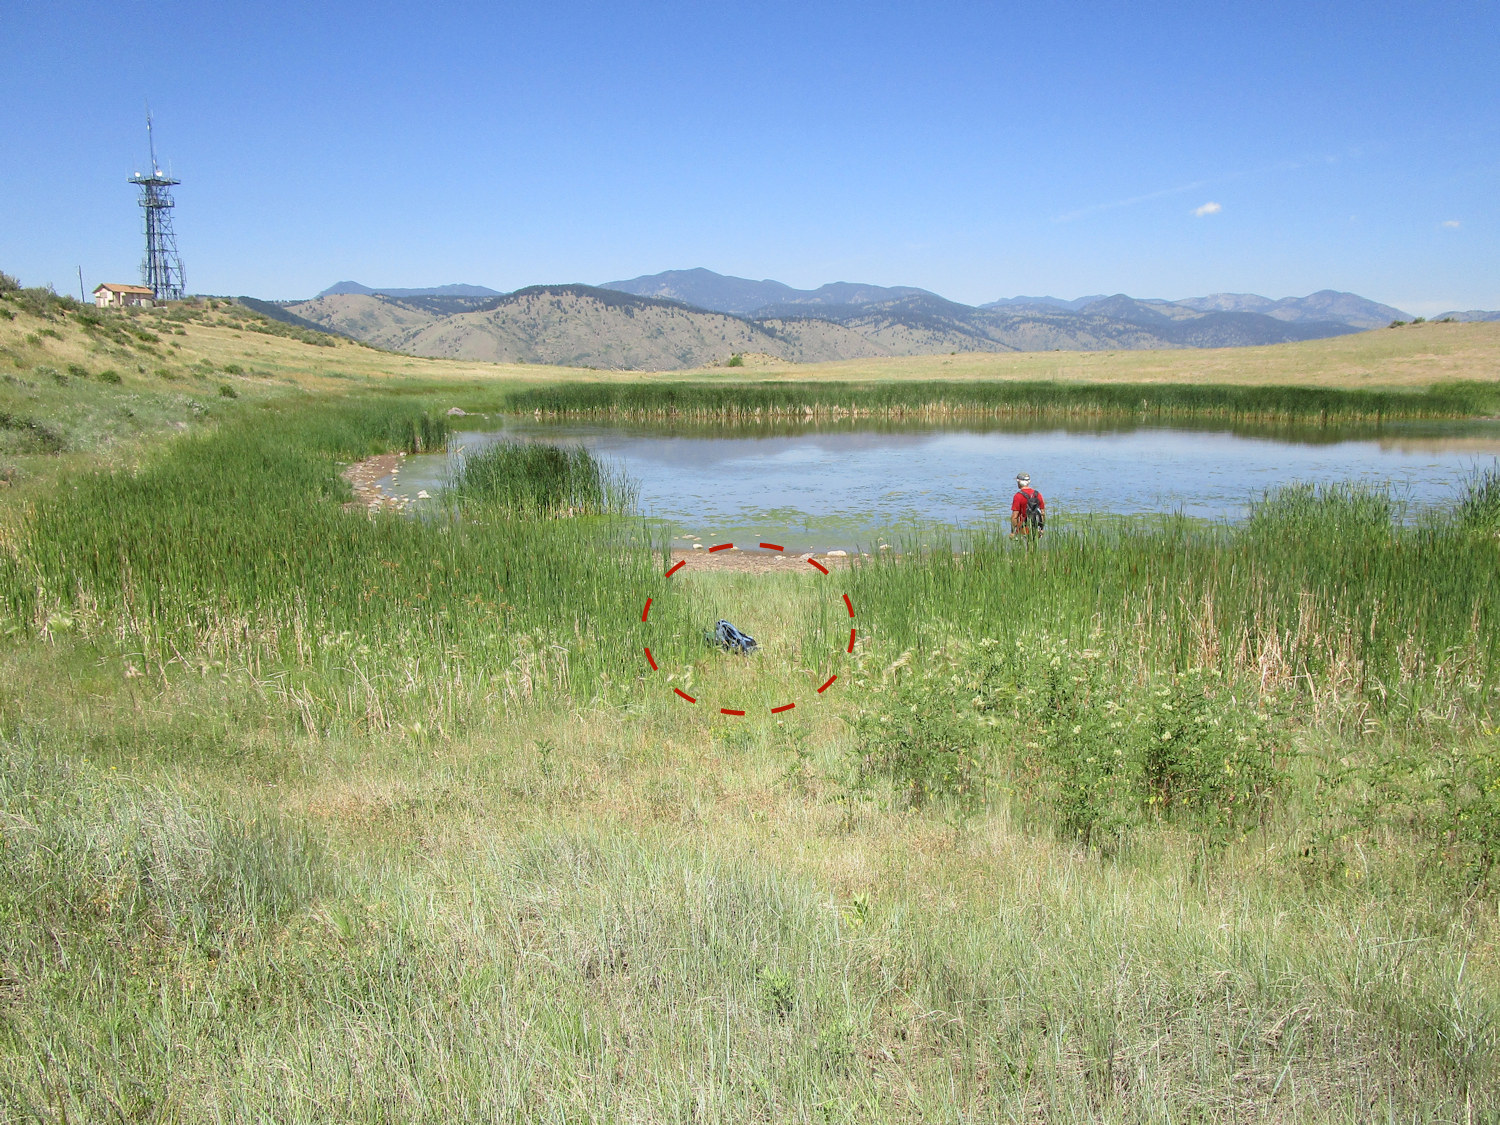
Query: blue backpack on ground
pixel 727 637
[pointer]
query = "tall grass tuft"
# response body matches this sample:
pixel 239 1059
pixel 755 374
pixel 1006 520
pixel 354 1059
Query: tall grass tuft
pixel 1479 506
pixel 541 480
pixel 85 850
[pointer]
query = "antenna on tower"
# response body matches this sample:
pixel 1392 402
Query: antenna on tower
pixel 161 269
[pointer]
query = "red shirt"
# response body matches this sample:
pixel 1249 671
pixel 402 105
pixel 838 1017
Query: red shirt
pixel 1018 504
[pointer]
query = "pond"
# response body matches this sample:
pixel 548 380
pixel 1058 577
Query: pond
pixel 815 486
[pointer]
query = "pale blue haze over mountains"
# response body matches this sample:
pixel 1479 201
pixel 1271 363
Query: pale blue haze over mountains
pixel 739 296
pixel 974 151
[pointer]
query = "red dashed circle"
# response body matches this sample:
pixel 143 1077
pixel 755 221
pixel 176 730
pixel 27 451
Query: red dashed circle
pixel 828 683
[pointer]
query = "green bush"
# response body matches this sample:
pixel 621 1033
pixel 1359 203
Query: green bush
pixel 226 391
pixel 1444 794
pixel 1206 760
pixel 1071 749
pixel 1096 753
pixel 109 375
pixel 736 360
pixel 25 435
pixel 8 284
pixel 922 740
pixel 1471 792
pixel 78 371
pixel 233 369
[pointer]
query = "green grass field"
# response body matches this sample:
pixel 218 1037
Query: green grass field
pixel 309 814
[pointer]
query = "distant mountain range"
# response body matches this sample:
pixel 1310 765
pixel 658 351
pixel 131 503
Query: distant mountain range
pixel 740 296
pixel 346 287
pixel 1471 315
pixel 690 318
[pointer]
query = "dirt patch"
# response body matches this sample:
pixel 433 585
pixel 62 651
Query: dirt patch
pixel 365 476
pixel 759 562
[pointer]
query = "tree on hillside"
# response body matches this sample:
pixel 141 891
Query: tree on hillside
pixel 8 284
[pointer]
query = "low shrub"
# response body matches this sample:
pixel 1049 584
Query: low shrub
pixel 1470 788
pixel 922 740
pixel 1206 759
pixel 109 376
pixel 226 391
pixel 1096 753
pixel 25 435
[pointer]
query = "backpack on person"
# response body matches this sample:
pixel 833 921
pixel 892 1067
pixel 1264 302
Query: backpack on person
pixel 1036 519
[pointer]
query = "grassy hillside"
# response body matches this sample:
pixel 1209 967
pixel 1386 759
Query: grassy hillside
pixel 312 814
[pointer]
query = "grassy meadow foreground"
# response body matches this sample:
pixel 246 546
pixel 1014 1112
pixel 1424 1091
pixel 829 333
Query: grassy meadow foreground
pixel 308 814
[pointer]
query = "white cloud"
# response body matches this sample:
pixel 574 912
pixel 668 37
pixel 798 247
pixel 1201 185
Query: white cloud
pixel 1207 209
pixel 1451 224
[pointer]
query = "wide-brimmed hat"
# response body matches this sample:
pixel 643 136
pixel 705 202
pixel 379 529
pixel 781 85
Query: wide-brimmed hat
pixel 1023 478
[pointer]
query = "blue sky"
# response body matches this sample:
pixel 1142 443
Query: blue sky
pixel 978 150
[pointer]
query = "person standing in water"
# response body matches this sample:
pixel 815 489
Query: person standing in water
pixel 1028 511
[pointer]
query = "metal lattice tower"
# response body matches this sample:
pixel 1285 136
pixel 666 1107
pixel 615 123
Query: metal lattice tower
pixel 161 269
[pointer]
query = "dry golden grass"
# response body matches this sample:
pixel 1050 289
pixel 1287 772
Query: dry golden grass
pixel 1410 357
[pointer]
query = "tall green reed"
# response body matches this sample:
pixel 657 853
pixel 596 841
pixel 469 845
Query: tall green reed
pixel 1320 405
pixel 1320 591
pixel 1479 506
pixel 541 480
pixel 233 549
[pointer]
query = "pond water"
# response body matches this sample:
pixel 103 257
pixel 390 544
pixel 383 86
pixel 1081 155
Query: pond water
pixel 815 486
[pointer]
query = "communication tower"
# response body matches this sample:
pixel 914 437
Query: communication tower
pixel 161 269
